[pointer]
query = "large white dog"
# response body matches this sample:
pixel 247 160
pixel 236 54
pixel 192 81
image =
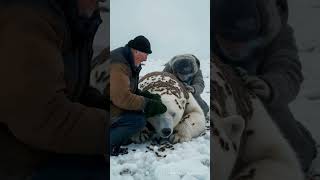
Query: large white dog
pixel 184 118
pixel 247 143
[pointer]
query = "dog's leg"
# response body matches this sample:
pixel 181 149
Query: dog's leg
pixel 192 123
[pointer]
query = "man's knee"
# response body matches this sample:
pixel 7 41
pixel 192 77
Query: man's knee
pixel 133 120
pixel 139 121
pixel 125 126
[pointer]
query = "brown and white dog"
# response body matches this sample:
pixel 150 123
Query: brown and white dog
pixel 246 142
pixel 184 117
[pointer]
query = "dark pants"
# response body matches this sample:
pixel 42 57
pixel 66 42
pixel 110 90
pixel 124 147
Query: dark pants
pixel 72 167
pixel 124 126
pixel 204 106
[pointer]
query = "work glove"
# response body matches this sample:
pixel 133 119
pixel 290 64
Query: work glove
pixel 153 107
pixel 259 86
pixel 93 98
pixel 149 95
pixel 189 88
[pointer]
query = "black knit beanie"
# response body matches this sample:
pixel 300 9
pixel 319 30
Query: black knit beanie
pixel 140 43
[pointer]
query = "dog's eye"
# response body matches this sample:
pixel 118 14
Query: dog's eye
pixel 172 114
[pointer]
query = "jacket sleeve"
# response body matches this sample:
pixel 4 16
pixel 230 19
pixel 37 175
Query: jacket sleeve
pixel 44 118
pixel 282 69
pixel 120 93
pixel 198 83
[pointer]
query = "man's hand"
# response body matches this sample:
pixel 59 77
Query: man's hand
pixel 154 107
pixel 259 86
pixel 92 97
pixel 189 88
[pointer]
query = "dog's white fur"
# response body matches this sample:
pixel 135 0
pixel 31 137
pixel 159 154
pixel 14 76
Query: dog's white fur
pixel 184 117
pixel 263 155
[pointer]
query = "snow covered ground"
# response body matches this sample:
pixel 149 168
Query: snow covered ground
pixel 304 18
pixel 187 161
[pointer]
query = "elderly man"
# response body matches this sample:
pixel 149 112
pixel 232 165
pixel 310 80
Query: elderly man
pixel 186 67
pixel 129 106
pixel 52 124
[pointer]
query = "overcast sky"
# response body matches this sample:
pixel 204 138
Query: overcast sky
pixel 172 26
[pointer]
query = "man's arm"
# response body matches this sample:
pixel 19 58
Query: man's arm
pixel 198 83
pixel 282 69
pixel 42 115
pixel 120 93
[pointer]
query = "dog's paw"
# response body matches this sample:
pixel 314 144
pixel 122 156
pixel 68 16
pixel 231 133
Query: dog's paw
pixel 156 138
pixel 142 136
pixel 177 137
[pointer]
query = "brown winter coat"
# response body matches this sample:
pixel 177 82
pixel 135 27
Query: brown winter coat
pixel 36 117
pixel 124 77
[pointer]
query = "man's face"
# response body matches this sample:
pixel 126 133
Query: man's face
pixel 139 57
pixel 183 69
pixel 233 48
pixel 237 51
pixel 87 7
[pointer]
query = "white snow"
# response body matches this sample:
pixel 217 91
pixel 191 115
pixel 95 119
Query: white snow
pixel 187 161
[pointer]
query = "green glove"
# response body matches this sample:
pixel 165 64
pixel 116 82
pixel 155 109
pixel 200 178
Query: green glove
pixel 154 107
pixel 149 95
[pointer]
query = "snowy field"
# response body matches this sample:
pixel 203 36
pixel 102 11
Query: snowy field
pixel 187 161
pixel 304 18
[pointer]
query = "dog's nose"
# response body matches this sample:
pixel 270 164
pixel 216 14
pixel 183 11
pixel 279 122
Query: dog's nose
pixel 166 131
